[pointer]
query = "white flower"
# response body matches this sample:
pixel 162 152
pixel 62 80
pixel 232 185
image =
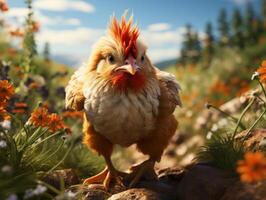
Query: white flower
pixel 40 189
pixel 254 75
pixel 209 135
pixel 3 144
pixel 214 128
pixel 7 169
pixel 12 197
pixel 71 194
pixel 6 124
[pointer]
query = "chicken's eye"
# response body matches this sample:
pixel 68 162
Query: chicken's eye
pixel 111 59
pixel 142 58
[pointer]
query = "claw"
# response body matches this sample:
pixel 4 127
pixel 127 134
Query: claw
pixel 145 169
pixel 98 178
pixel 105 177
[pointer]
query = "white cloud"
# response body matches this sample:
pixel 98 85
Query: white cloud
pixel 163 38
pixel 161 54
pixel 77 43
pixel 63 5
pixel 241 2
pixel 73 37
pixel 19 14
pixel 159 27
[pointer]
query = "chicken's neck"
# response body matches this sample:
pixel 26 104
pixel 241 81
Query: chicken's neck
pixel 124 81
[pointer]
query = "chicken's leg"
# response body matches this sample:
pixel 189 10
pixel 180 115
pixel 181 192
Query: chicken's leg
pixel 143 170
pixel 102 146
pixel 153 146
pixel 106 176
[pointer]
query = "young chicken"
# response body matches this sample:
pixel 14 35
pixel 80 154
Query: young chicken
pixel 126 100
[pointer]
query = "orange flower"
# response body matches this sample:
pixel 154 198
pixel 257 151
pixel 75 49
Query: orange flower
pixel 3 6
pixel 34 85
pixel 262 72
pixel 55 122
pixel 3 115
pixel 6 90
pixel 35 26
pixel 16 32
pixel 3 104
pixel 20 107
pixel 40 117
pixel 253 167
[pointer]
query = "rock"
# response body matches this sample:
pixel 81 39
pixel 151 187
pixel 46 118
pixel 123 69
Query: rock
pixel 54 178
pixel 195 182
pixel 202 181
pixel 135 194
pixel 240 191
pixel 85 192
pixel 255 138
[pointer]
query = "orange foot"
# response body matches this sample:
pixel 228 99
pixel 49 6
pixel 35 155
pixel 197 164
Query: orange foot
pixel 105 177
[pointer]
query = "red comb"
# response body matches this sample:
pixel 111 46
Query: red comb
pixel 125 34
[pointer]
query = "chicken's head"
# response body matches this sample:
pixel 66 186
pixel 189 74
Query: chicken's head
pixel 121 57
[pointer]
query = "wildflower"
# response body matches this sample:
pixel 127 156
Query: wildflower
pixel 16 33
pixel 40 117
pixel 20 107
pixel 253 167
pixel 3 6
pixel 6 90
pixel 3 144
pixel 34 85
pixel 3 104
pixel 262 72
pixel 7 169
pixel 35 26
pixel 3 115
pixel 55 123
pixel 29 193
pixel 6 124
pixel 12 197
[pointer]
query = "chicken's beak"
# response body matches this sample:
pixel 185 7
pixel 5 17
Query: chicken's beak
pixel 130 66
pixel 127 68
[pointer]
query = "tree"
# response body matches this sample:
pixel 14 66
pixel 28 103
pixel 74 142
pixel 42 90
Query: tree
pixel 250 34
pixel 46 51
pixel 237 29
pixel 191 47
pixel 209 46
pixel 29 44
pixel 223 28
pixel 263 10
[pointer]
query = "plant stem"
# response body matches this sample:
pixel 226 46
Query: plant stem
pixel 262 87
pixel 261 99
pixel 223 112
pixel 242 115
pixel 255 123
pixel 62 160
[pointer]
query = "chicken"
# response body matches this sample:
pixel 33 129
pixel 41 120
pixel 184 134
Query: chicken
pixel 126 100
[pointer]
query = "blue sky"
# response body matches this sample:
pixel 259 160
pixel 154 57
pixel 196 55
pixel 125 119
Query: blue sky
pixel 72 26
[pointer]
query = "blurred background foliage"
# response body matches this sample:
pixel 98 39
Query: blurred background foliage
pixel 217 70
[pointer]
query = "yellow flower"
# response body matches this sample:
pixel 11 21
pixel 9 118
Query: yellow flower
pixel 253 167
